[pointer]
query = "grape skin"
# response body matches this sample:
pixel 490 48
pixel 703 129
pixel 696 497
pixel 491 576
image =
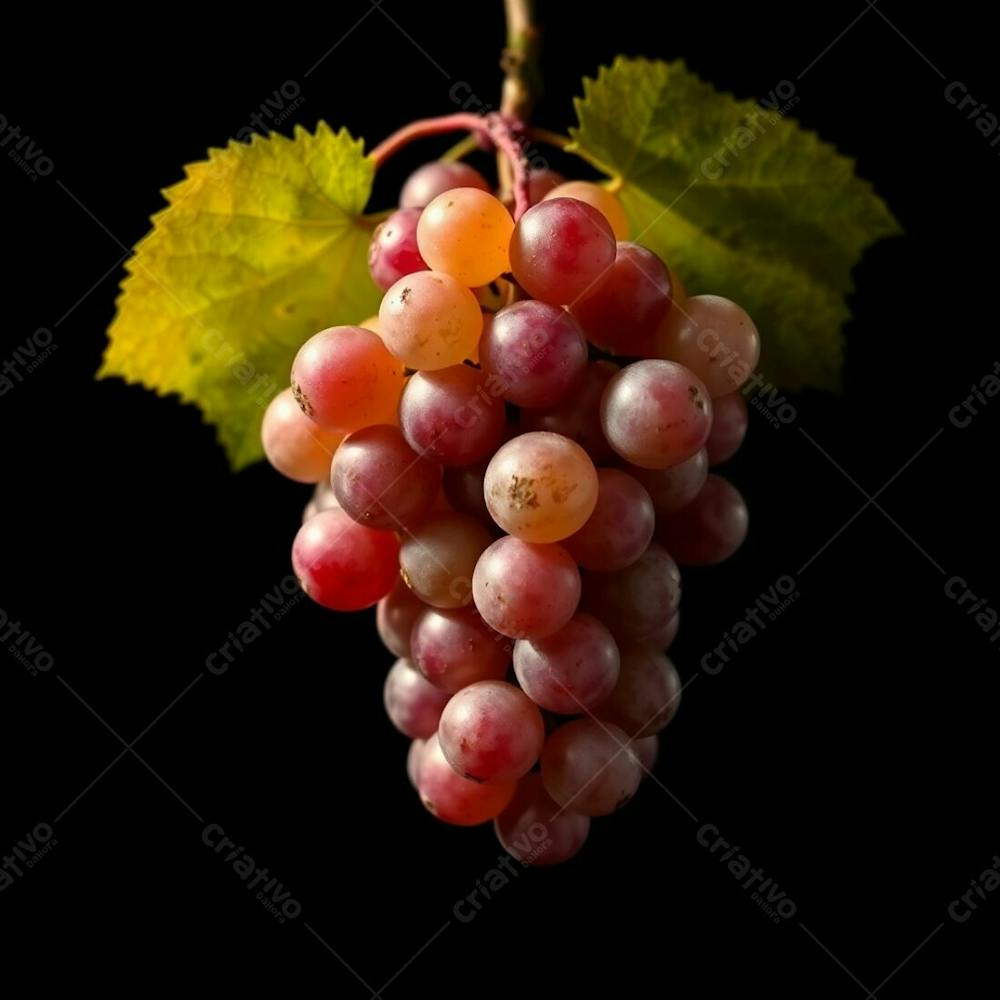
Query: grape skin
pixel 343 565
pixel 455 647
pixel 433 179
pixel 491 731
pixel 597 197
pixel 588 767
pixel 394 618
pixel 525 590
pixel 393 253
pixel 534 830
pixel 413 704
pixel 656 414
pixel 674 488
pixel 647 749
pixel 413 758
pixel 343 378
pixel 572 670
pixel 294 445
pixel 429 320
pixel 439 557
pixel 559 250
pixel 464 490
pixel 729 426
pixel 454 799
pixel 380 481
pixel 542 180
pixel 647 695
pixel 534 353
pixel 621 527
pixel 710 528
pixel 541 487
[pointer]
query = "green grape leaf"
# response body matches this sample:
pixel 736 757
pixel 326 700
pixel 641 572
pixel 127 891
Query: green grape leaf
pixel 259 247
pixel 740 200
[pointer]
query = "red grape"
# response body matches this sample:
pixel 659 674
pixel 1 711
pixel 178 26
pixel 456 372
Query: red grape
pixel 729 427
pixel 534 830
pixel 454 799
pixel 454 647
pixel 647 695
pixel 393 253
pixel 710 528
pixel 412 703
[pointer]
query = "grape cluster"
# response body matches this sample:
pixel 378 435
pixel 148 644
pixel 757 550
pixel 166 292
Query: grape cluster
pixel 515 501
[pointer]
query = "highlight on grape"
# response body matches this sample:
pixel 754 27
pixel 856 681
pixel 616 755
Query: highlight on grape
pixel 511 460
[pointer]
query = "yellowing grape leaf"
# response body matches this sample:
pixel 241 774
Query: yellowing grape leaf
pixel 740 200
pixel 261 246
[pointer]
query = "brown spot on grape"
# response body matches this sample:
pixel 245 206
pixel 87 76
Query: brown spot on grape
pixel 302 399
pixel 473 777
pixel 521 493
pixel 405 294
pixel 696 397
pixel 560 494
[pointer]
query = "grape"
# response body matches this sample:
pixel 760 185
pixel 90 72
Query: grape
pixel 439 557
pixel 713 337
pixel 647 749
pixel 432 179
pixel 293 444
pixel 674 488
pixel 454 648
pixel 560 248
pixel 412 703
pixel 534 830
pixel 656 414
pixel 597 197
pixel 710 528
pixel 570 671
pixel 623 310
pixel 647 695
pixel 380 481
pixel 430 321
pixel 491 731
pixel 533 353
pixel 664 636
pixel 413 757
pixel 578 415
pixel 464 490
pixel 344 378
pixel 540 487
pixel 636 602
pixel 526 591
pixel 541 181
pixel 589 767
pixel 620 528
pixel 343 565
pixel 393 253
pixel 466 233
pixel 451 416
pixel 394 618
pixel 729 427
pixel 455 799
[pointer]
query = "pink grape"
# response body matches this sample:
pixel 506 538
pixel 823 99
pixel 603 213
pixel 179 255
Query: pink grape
pixel 542 180
pixel 393 253
pixel 620 528
pixel 636 602
pixel 432 179
pixel 394 618
pixel 438 558
pixel 541 487
pixel 534 830
pixel 454 799
pixel 343 378
pixel 296 446
pixel 713 337
pixel 343 565
pixel 623 310
pixel 588 767
pixel 710 528
pixel 451 415
pixel 453 648
pixel 412 703
pixel 600 198
pixel 413 757
pixel 491 731
pixel 525 590
pixel 647 749
pixel 380 481
pixel 656 414
pixel 578 415
pixel 572 670
pixel 560 248
pixel 729 427
pixel 674 488
pixel 533 353
pixel 647 695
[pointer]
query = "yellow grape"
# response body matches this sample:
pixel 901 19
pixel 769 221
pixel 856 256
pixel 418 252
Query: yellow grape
pixel 466 233
pixel 597 197
pixel 429 320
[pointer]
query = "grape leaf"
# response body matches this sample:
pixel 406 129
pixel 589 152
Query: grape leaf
pixel 260 246
pixel 740 200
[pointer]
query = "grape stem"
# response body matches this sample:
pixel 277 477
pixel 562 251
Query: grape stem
pixel 497 131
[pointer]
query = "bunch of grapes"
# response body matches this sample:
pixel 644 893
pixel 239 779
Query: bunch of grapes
pixel 512 459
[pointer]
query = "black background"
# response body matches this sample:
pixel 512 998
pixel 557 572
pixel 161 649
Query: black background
pixel 850 749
